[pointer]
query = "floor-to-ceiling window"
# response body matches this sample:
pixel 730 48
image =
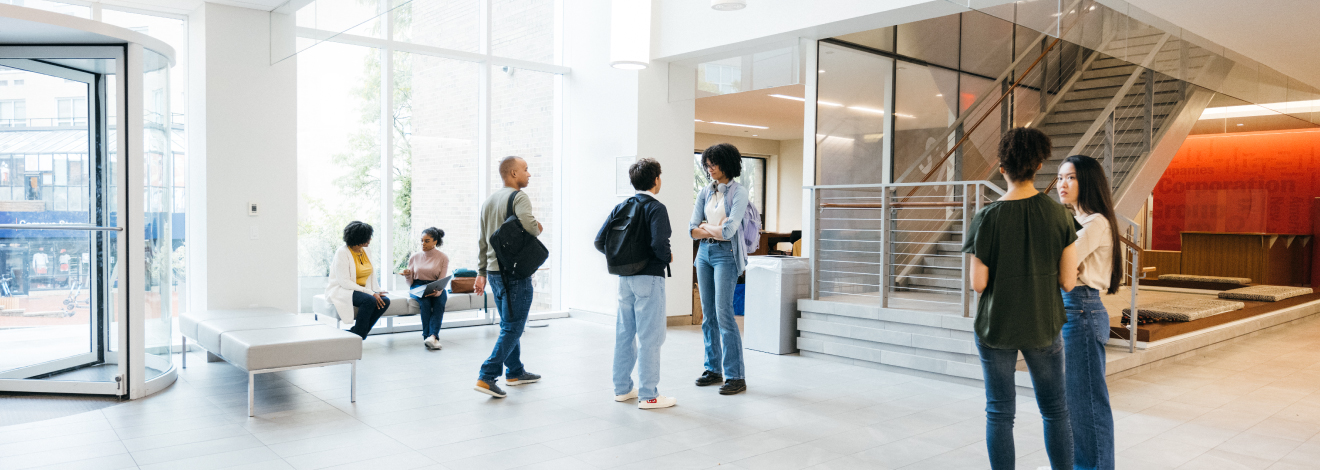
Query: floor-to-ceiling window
pixel 405 111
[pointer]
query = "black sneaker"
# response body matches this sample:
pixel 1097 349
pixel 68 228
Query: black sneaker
pixel 490 388
pixel 525 378
pixel 733 387
pixel 709 378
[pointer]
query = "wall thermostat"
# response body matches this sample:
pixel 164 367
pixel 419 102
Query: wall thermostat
pixel 252 208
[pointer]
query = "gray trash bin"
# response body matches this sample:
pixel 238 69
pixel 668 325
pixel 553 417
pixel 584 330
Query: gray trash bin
pixel 774 285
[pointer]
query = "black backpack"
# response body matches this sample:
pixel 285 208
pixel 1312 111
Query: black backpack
pixel 519 253
pixel 627 244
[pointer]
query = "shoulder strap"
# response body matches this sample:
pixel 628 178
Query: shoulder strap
pixel 509 210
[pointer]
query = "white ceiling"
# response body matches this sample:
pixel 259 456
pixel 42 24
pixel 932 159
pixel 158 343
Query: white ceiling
pixel 1278 33
pixel 187 6
pixel 758 108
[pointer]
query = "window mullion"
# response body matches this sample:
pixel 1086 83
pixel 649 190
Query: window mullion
pixel 386 232
pixel 483 104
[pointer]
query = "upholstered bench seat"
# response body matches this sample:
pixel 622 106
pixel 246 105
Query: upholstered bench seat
pixel 1265 293
pixel 278 348
pixel 1214 279
pixel 188 322
pixel 401 304
pixel 267 340
pixel 1185 310
pixel 209 332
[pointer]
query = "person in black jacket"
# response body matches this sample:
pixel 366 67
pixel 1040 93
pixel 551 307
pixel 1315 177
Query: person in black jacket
pixel 641 319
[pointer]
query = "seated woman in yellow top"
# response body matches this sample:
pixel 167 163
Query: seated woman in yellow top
pixel 353 281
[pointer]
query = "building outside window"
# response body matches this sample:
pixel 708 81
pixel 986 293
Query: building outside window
pixel 456 106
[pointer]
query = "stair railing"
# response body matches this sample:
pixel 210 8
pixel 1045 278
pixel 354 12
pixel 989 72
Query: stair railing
pixel 857 235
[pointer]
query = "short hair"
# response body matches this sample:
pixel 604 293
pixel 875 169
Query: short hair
pixel 435 234
pixel 506 165
pixel 724 156
pixel 1021 151
pixel 357 233
pixel 643 174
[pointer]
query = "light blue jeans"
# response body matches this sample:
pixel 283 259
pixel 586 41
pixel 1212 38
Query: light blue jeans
pixel 717 278
pixel 1084 338
pixel 641 322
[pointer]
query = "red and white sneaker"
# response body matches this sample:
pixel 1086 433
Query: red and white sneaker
pixel 657 402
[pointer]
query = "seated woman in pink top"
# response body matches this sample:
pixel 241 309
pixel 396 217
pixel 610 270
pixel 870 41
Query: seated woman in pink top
pixel 424 267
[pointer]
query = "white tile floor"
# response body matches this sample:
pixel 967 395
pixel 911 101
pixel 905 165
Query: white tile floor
pixel 1252 403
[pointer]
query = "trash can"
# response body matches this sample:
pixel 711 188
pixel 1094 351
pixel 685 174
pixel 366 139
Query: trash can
pixel 774 285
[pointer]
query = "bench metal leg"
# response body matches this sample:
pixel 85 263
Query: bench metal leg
pixel 252 379
pixel 353 394
pixel 184 352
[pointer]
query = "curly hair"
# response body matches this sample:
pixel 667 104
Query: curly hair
pixel 435 234
pixel 643 173
pixel 357 233
pixel 1021 151
pixel 724 156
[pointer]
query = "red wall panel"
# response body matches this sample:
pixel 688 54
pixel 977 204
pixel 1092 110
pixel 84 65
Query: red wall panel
pixel 1243 182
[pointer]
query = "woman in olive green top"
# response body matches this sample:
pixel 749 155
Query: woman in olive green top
pixel 1022 253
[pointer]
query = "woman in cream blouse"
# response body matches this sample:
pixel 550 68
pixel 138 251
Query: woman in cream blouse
pixel 353 281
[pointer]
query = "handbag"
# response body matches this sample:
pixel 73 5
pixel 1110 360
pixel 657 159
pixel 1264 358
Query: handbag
pixel 463 285
pixel 519 253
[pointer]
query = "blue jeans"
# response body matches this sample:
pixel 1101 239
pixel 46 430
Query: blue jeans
pixel 1046 368
pixel 513 299
pixel 641 322
pixel 717 278
pixel 433 310
pixel 1084 338
pixel 367 313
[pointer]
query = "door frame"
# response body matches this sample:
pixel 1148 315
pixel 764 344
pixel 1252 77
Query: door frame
pixel 130 345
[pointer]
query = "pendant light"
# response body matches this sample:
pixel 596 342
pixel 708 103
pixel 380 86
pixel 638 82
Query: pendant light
pixel 630 34
pixel 728 5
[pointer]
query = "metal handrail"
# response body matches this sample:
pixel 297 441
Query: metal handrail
pixel 90 228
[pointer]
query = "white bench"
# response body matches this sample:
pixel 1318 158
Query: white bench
pixel 455 303
pixel 266 340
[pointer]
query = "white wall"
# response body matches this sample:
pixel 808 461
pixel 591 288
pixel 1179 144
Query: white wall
pixel 790 186
pixel 612 113
pixel 243 137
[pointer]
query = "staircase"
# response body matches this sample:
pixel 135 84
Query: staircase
pixel 940 272
pixel 1115 95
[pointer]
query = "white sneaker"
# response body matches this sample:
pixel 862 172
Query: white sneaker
pixel 657 402
pixel 627 396
pixel 430 344
pixel 436 344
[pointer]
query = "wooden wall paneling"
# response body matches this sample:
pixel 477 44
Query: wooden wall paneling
pixel 1164 262
pixel 1225 254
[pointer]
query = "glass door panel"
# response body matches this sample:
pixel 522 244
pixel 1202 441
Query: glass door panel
pixel 56 329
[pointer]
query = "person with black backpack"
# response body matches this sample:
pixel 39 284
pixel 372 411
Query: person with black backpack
pixel 635 241
pixel 508 234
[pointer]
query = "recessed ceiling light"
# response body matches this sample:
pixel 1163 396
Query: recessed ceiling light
pixel 865 109
pixel 822 70
pixel 904 115
pixel 728 5
pixel 939 94
pixel 788 97
pixel 827 103
pixel 698 120
pixel 1239 124
pixel 739 125
pixel 753 135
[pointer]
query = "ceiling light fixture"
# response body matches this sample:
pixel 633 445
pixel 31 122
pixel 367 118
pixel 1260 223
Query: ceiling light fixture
pixel 939 94
pixel 630 34
pixel 738 125
pixel 865 109
pixel 1267 109
pixel 822 70
pixel 698 120
pixel 788 97
pixel 728 5
pixel 904 115
pixel 827 103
